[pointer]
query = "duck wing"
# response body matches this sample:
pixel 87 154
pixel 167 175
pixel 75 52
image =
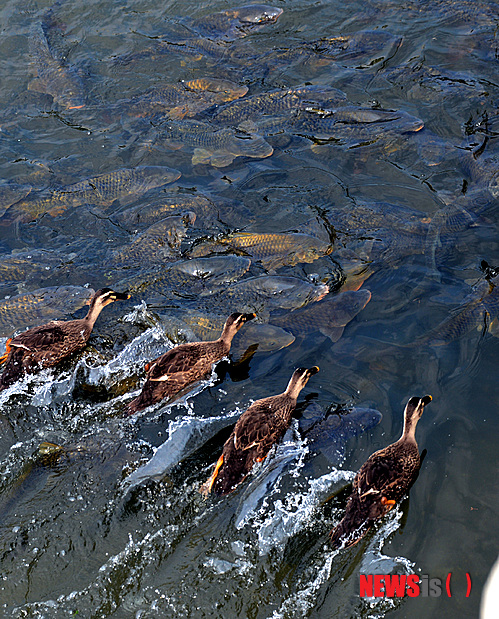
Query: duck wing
pixel 40 338
pixel 379 475
pixel 257 429
pixel 179 359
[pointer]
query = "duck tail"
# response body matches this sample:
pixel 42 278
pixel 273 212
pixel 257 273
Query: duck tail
pixel 4 357
pixel 13 369
pixel 355 524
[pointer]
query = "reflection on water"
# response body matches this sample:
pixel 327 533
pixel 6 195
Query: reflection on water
pixel 329 166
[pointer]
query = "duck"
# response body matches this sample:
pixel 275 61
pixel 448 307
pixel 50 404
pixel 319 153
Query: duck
pixel 183 365
pixel 382 481
pixel 45 346
pixel 262 425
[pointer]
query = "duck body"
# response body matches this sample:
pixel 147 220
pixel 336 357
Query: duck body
pixel 262 425
pixel 47 345
pixel 168 375
pixel 382 481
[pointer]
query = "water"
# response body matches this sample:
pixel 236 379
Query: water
pixel 115 527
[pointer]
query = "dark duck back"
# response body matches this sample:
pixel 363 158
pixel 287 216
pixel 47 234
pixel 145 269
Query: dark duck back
pixel 44 346
pixel 174 371
pixel 263 424
pixel 382 481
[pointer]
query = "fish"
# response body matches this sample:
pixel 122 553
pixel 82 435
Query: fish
pixel 185 98
pixel 159 243
pixel 125 185
pixel 479 310
pixel 364 43
pixel 199 326
pixel 349 126
pixel 271 249
pixel 54 76
pixel 209 212
pixel 195 48
pixel 207 36
pixel 233 23
pixel 263 294
pixel 33 308
pixel 217 147
pixel 10 193
pixel 25 266
pixel 278 102
pixel 329 316
pixel 330 433
pixel 187 278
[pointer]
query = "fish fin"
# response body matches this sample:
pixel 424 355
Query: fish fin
pixel 36 85
pixel 178 112
pixel 248 126
pixel 201 155
pixel 494 327
pixel 333 333
pixel 221 160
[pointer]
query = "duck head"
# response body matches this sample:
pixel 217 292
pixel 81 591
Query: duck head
pixel 412 414
pixel 299 380
pixel 104 297
pixel 233 323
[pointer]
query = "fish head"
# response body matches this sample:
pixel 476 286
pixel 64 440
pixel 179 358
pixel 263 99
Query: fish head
pixel 223 90
pixel 255 14
pixel 314 249
pixel 149 177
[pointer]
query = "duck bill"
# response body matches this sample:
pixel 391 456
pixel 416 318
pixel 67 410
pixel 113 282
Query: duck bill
pixel 313 370
pixel 120 296
pixel 249 316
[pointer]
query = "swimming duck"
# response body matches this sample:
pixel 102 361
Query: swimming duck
pixel 185 364
pixel 263 424
pixel 44 346
pixel 382 481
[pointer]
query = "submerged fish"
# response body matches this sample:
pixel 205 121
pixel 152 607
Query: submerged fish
pixel 480 310
pixel 197 326
pixel 365 48
pixel 278 102
pixel 27 266
pixel 350 126
pixel 186 98
pixel 263 294
pixel 32 308
pixel 159 243
pixel 10 194
pixel 331 432
pixel 125 185
pixel 218 147
pixel 329 316
pixel 54 77
pixel 188 278
pixel 234 23
pixel 272 250
pixel 208 211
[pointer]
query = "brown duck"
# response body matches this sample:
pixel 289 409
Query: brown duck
pixel 263 424
pixel 44 346
pixel 171 373
pixel 382 480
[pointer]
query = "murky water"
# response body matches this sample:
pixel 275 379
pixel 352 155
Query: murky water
pixel 114 525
